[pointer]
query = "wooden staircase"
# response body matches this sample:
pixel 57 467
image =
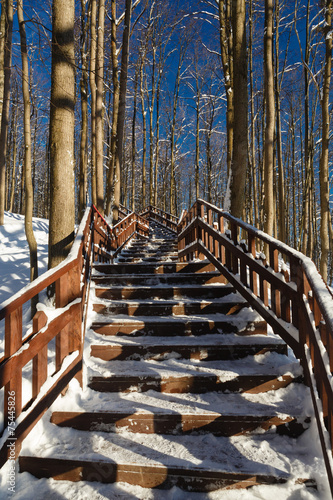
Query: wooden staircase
pixel 182 381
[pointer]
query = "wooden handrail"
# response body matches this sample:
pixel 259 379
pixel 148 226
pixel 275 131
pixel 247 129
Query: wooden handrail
pixel 168 220
pixel 283 285
pixel 95 241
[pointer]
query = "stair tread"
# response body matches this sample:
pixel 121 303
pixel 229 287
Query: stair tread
pixel 286 401
pixel 190 341
pixel 258 454
pixel 266 364
pixel 235 300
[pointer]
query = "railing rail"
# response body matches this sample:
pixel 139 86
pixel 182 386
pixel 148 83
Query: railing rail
pixel 168 220
pixel 95 241
pixel 283 285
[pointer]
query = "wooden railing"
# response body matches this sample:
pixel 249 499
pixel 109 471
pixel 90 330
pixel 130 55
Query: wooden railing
pixel 168 220
pixel 123 211
pixel 95 241
pixel 110 241
pixel 281 284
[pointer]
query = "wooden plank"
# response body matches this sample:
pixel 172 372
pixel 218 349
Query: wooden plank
pixel 39 367
pixel 171 423
pixel 13 387
pixel 190 479
pixel 196 384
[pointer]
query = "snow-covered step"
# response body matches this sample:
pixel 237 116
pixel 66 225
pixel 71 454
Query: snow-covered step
pixel 193 462
pixel 162 292
pixel 146 268
pixel 182 307
pixel 260 374
pixel 176 325
pixel 158 279
pixel 206 348
pixel 168 422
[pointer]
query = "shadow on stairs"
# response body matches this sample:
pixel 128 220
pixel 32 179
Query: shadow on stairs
pixel 185 388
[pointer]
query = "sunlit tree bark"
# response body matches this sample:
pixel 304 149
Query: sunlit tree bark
pixel 270 118
pixel 240 152
pixel 5 72
pixel 29 201
pixel 323 166
pixel 62 213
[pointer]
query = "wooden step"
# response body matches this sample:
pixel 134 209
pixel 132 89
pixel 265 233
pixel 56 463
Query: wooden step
pixel 151 259
pixel 194 383
pixel 160 268
pixel 159 461
pixel 167 308
pixel 163 292
pixel 173 326
pixel 155 476
pixel 200 352
pixel 158 279
pixel 177 424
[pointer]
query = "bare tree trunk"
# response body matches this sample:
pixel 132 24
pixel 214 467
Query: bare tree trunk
pixel 157 150
pixel 226 43
pixel 240 150
pixel 62 213
pixel 278 83
pixel 112 175
pixel 253 119
pixel 151 131
pixel 323 166
pixel 122 107
pixel 14 154
pixel 135 97
pixel 29 199
pixel 100 109
pixel 92 81
pixel 84 112
pixel 306 195
pixel 8 5
pixel 270 117
pixel 144 132
pixel 173 202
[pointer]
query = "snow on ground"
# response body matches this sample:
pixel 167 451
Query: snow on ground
pixel 14 271
pixel 14 253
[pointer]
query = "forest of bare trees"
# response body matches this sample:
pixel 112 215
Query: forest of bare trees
pixel 163 101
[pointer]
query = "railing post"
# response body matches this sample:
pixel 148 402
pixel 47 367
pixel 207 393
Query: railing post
pixel 196 229
pixel 275 294
pixel 234 260
pixel 39 364
pixel 62 339
pixel 222 248
pixel 253 274
pixel 13 342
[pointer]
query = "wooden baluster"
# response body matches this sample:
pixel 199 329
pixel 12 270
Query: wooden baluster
pixel 316 311
pixel 216 243
pixel 234 237
pixel 295 268
pixel 275 294
pixel 263 291
pixel 209 237
pixel 196 229
pixel 62 339
pixel 252 250
pixel 39 364
pixel 222 248
pixel 13 342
